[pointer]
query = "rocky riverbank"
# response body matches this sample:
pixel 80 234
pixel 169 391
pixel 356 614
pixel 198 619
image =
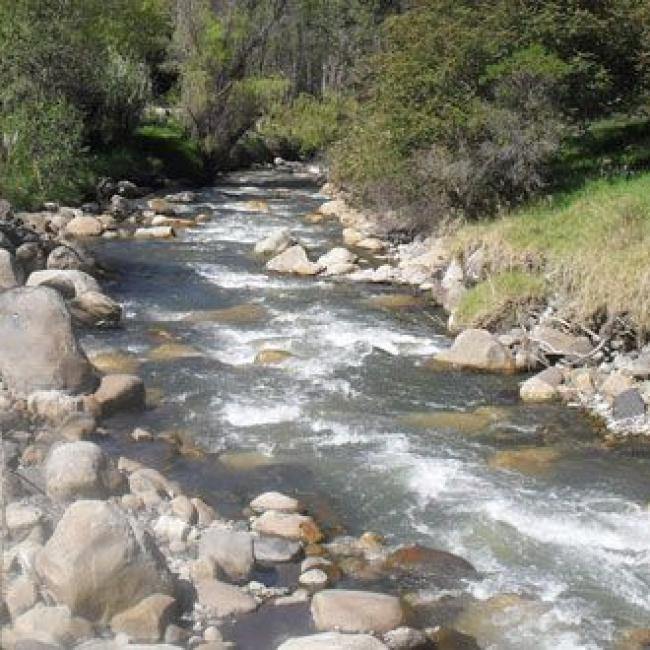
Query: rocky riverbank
pixel 605 373
pixel 102 552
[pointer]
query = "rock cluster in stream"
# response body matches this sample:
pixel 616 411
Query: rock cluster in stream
pixel 101 553
pixel 601 372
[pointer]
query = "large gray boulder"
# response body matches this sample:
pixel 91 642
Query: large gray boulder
pixel 356 611
pixel 99 562
pixel 80 469
pixel 53 625
pixel 277 242
pixel 478 350
pixel 39 350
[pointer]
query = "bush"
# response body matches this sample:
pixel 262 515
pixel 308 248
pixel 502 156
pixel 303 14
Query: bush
pixel 41 156
pixel 305 126
pixel 467 104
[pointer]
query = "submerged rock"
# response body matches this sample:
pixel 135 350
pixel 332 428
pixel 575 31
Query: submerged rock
pixel 120 393
pixel 247 313
pixel 479 350
pixel 271 357
pixel 173 351
pixel 356 611
pixel 468 422
pixel 39 350
pixel 115 362
pixel 533 461
pixel 99 563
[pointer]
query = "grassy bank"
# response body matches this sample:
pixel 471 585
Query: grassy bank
pixel 592 246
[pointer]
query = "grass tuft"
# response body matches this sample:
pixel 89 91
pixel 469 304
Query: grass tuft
pixel 501 300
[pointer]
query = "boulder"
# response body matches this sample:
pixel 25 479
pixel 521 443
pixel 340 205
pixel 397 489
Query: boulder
pixel 277 242
pixel 638 368
pixel 120 393
pixel 293 260
pixel 155 232
pixel 77 470
pixel 223 600
pixel 39 350
pixel 56 406
pixel 288 525
pixel 334 641
pixel 52 625
pixel 479 350
pixel 146 622
pixel 356 611
pixel 372 244
pixel 64 258
pixel 21 596
pixel 274 550
pixel 93 308
pixel 171 529
pixel 615 384
pixel 78 426
pixel 275 501
pixel 542 387
pixel 145 480
pixel 337 257
pixel 31 257
pixel 81 281
pixel 162 206
pixel 313 579
pixel 21 518
pixel 99 563
pixel 11 275
pixel 555 343
pixel 231 549
pixel 351 236
pixel 85 226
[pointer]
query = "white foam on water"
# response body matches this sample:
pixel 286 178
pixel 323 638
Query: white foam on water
pixel 339 434
pixel 226 278
pixel 247 414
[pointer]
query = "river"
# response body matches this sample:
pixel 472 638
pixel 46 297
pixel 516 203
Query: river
pixel 360 425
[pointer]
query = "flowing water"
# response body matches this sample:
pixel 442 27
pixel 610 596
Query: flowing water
pixel 365 429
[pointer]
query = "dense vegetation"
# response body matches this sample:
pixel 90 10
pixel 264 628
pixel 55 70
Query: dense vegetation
pixel 430 109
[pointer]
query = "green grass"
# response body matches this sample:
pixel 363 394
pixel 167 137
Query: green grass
pixel 499 301
pixel 593 245
pixel 154 150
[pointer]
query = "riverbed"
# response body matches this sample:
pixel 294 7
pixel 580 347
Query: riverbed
pixel 362 426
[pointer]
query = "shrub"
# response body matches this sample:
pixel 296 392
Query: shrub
pixel 305 125
pixel 41 154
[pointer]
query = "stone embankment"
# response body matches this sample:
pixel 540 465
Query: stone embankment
pixel 599 372
pixel 101 553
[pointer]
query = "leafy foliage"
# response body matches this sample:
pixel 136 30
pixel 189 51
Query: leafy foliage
pixel 468 102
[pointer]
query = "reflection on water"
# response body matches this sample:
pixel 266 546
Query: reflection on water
pixel 357 416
